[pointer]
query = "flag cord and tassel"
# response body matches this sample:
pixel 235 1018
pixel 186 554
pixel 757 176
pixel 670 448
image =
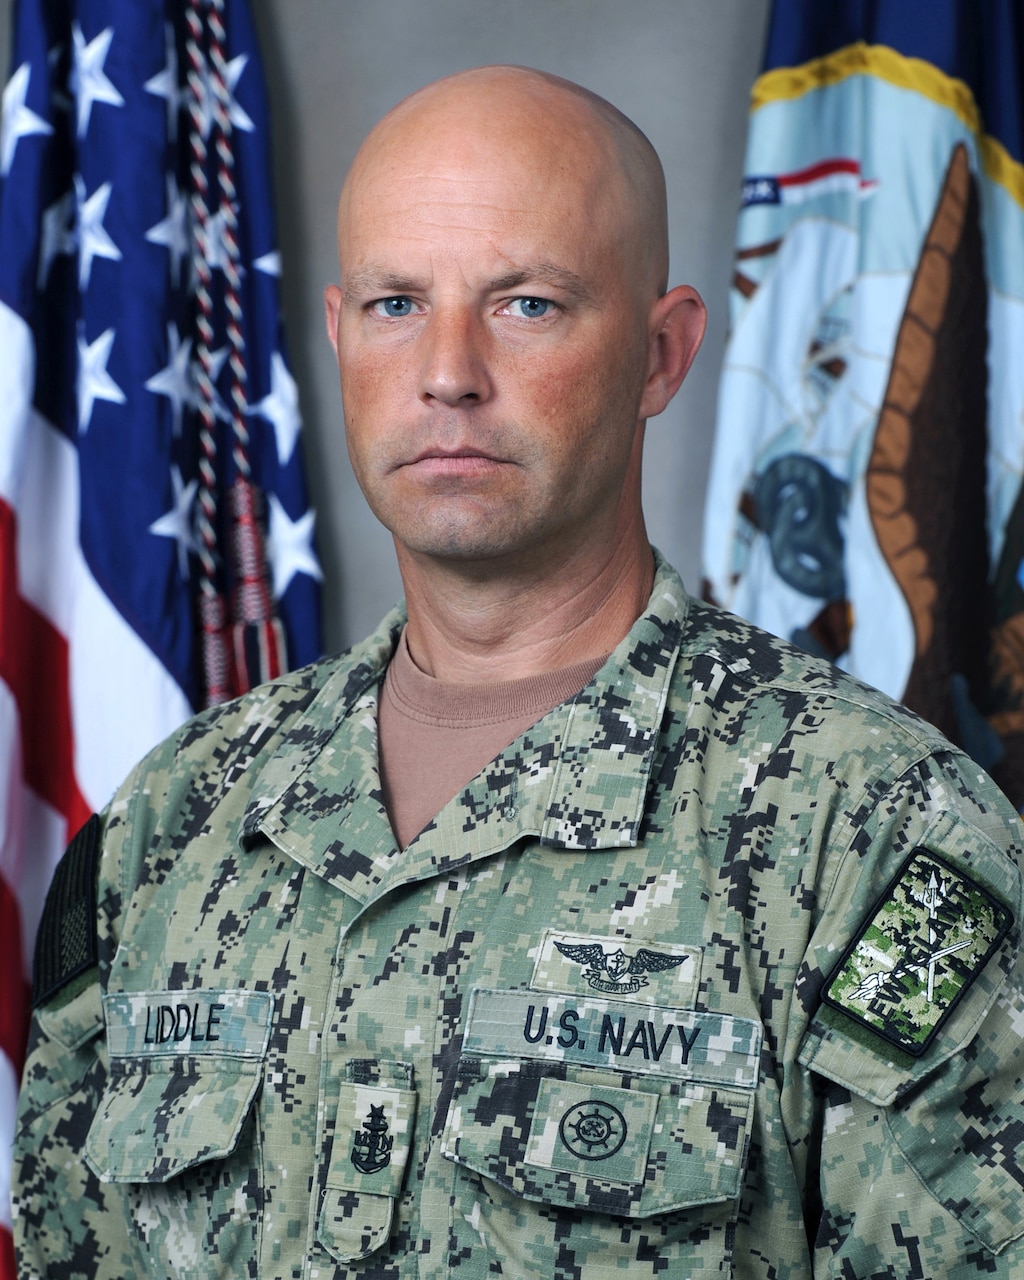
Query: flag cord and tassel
pixel 248 646
pixel 212 614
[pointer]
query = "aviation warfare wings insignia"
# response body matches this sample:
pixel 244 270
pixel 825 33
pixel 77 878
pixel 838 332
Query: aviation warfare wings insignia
pixel 614 971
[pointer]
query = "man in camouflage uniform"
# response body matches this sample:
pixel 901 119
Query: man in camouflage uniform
pixel 711 970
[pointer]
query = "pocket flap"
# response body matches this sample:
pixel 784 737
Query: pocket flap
pixel 374 1135
pixel 161 1116
pixel 184 1070
pixel 579 1139
pixel 372 1142
pixel 352 1226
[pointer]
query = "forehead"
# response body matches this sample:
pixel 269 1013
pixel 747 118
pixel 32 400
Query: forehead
pixel 459 186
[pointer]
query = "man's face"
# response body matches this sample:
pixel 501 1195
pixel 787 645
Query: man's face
pixel 492 342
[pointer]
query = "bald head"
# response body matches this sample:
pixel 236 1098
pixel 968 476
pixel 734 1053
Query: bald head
pixel 539 125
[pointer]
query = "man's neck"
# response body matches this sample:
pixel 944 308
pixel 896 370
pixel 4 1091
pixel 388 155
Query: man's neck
pixel 477 629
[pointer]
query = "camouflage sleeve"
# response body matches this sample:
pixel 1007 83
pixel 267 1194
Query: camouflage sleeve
pixel 63 1225
pixel 918 1042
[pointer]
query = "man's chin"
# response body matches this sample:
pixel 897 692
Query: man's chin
pixel 458 549
pixel 454 530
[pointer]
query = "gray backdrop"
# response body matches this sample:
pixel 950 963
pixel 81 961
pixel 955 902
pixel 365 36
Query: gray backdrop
pixel 682 69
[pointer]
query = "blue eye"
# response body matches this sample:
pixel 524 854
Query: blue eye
pixel 395 308
pixel 531 308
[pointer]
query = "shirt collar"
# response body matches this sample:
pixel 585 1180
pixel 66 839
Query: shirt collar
pixel 576 780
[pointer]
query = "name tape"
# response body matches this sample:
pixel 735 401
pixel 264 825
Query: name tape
pixel 235 1023
pixel 622 1035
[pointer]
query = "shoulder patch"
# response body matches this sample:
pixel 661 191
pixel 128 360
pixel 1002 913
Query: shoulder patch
pixel 66 941
pixel 927 939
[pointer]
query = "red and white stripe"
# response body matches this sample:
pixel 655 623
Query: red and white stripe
pixel 822 178
pixel 81 696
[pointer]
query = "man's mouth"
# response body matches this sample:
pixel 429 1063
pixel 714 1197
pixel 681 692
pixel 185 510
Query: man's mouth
pixel 454 462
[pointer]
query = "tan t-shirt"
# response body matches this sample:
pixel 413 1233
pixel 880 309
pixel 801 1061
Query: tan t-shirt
pixel 435 737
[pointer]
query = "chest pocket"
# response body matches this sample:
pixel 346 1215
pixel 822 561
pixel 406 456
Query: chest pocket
pixel 633 1120
pixel 371 1145
pixel 175 1128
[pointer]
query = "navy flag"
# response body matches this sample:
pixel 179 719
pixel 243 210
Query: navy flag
pixel 865 497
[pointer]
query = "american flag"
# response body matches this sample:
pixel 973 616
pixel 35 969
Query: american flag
pixel 156 543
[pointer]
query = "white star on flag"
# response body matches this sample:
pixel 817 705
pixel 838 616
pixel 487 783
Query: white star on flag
pixel 17 120
pixel 93 240
pixel 281 407
pixel 165 84
pixel 290 546
pixel 269 263
pixel 175 380
pixel 177 523
pixel 94 383
pixel 88 79
pixel 207 97
pixel 57 234
pixel 173 232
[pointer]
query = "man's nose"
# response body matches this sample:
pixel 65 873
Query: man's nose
pixel 453 349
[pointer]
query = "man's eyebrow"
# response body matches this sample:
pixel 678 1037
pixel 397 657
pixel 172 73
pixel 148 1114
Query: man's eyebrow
pixel 544 273
pixel 362 281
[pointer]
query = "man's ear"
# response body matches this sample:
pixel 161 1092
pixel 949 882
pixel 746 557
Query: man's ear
pixel 332 313
pixel 676 325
